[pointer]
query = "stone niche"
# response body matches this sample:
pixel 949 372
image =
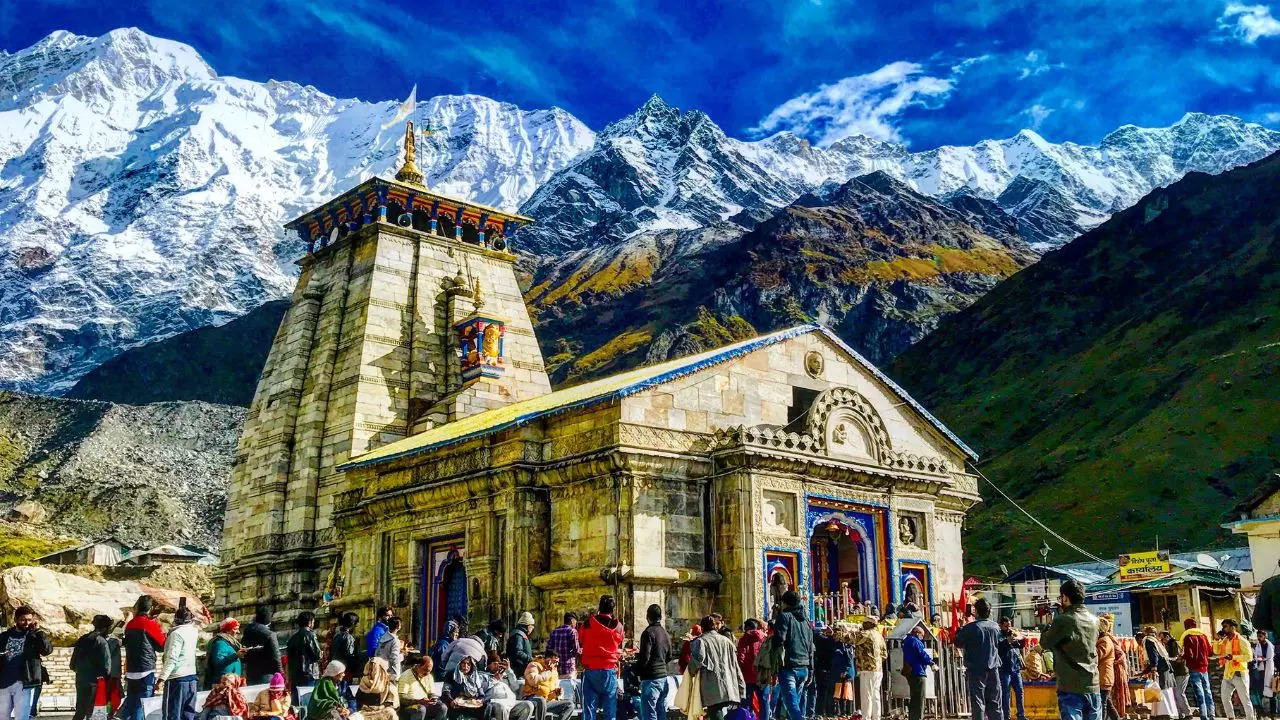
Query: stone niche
pixel 778 513
pixel 910 530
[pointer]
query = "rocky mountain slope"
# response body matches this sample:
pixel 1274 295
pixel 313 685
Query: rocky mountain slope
pixel 876 261
pixel 142 194
pixel 1126 384
pixel 872 258
pixel 1128 379
pixel 147 474
pixel 661 169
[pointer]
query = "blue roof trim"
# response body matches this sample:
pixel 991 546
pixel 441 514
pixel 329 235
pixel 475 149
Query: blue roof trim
pixel 624 391
pixel 668 376
pixel 898 389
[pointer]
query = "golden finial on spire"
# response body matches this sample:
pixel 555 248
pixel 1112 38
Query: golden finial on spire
pixel 409 172
pixel 478 296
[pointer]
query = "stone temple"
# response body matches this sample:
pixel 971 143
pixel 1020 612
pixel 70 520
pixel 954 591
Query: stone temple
pixel 404 446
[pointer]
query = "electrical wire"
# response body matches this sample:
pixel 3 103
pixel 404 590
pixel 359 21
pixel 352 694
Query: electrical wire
pixel 1037 521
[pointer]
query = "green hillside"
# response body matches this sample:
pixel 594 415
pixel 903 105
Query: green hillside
pixel 1128 385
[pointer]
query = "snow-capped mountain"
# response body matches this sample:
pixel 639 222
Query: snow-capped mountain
pixel 661 168
pixel 142 194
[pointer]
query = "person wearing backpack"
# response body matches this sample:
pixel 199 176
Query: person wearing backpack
pixel 1181 676
pixel 91 662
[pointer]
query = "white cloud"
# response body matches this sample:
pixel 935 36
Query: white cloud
pixel 1036 115
pixel 1272 118
pixel 1033 64
pixel 967 63
pixel 859 105
pixel 1249 23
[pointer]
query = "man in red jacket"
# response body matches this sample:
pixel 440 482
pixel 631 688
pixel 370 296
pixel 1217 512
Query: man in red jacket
pixel 748 649
pixel 143 640
pixel 601 637
pixel 1195 652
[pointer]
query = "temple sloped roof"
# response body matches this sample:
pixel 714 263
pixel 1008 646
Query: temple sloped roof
pixel 611 388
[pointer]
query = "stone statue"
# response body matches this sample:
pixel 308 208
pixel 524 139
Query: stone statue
pixel 776 516
pixel 492 335
pixel 907 530
pixel 777 586
pixel 913 595
pixel 840 435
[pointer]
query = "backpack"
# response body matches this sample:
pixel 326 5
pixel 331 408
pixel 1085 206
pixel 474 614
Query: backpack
pixel 769 659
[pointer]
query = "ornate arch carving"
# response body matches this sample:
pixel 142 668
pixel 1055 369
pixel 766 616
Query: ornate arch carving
pixel 848 405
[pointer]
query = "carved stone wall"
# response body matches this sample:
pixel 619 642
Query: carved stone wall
pixel 359 358
pixel 673 495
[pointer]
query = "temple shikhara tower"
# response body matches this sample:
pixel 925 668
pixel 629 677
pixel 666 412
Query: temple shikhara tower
pixel 404 446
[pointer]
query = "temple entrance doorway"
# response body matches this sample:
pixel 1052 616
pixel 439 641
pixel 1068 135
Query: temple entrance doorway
pixel 444 587
pixel 842 576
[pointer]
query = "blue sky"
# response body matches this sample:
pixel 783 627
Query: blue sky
pixel 919 72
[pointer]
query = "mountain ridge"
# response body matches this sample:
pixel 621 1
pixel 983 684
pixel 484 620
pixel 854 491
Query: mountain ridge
pixel 1126 379
pixel 142 193
pixel 661 168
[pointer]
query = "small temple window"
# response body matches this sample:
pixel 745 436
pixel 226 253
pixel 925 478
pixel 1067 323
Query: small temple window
pixel 801 400
pixel 470 234
pixel 394 211
pixel 444 226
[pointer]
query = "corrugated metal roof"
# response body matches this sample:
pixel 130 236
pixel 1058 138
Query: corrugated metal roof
pixel 1059 572
pixel 1232 559
pixel 1193 576
pixel 611 388
pixel 84 546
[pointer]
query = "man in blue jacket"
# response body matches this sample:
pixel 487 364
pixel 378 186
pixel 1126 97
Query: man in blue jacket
pixel 917 660
pixel 376 632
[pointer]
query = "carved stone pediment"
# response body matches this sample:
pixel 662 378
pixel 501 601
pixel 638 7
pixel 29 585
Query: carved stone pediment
pixel 842 425
pixel 847 426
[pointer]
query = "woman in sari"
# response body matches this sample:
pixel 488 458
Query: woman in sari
pixel 376 696
pixel 326 703
pixel 225 699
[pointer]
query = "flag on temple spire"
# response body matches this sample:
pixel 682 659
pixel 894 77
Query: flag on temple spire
pixel 406 108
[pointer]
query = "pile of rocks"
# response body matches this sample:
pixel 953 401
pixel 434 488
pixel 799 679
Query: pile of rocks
pixel 146 474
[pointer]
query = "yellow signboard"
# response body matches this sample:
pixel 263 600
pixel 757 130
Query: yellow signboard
pixel 1144 565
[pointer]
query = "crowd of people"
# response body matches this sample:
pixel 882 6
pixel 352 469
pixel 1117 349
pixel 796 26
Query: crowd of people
pixel 787 667
pixel 1091 669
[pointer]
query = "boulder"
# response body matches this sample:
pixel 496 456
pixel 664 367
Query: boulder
pixel 30 512
pixel 66 603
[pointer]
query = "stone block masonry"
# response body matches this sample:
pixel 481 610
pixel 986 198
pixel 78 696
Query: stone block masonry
pixel 365 355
